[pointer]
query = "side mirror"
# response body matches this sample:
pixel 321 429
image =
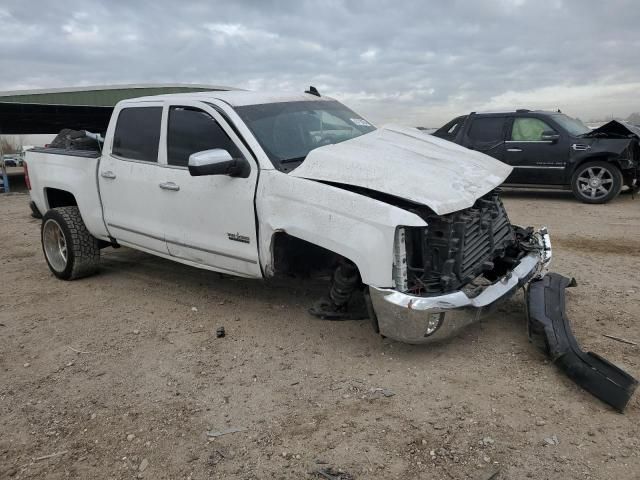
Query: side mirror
pixel 217 162
pixel 549 136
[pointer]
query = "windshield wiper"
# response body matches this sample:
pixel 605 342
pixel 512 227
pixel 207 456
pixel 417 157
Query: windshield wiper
pixel 292 160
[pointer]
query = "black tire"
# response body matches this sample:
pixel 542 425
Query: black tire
pixel 81 250
pixel 596 182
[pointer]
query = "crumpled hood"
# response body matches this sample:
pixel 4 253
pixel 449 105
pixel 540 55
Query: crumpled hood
pixel 615 129
pixel 405 163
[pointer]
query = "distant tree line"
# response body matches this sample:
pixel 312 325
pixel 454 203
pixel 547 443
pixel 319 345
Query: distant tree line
pixel 9 145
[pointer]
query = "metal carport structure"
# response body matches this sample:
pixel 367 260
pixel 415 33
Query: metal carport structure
pixel 88 108
pixel 47 111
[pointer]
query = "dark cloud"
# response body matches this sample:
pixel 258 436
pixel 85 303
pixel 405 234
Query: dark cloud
pixel 412 61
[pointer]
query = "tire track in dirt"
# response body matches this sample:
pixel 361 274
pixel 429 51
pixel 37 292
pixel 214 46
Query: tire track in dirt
pixel 610 246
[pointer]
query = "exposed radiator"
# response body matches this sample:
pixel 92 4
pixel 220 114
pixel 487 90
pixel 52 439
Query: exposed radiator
pixel 456 248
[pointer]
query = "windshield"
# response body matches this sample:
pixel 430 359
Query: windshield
pixel 288 131
pixel 572 125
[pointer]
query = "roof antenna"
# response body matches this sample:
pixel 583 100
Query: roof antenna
pixel 313 91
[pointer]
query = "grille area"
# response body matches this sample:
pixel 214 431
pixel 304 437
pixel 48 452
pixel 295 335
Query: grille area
pixel 455 249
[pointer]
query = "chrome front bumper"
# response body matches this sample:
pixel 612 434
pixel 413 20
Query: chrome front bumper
pixel 413 319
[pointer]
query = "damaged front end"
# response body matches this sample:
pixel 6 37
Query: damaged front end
pixel 461 265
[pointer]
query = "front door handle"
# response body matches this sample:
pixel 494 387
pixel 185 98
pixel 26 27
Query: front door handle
pixel 514 149
pixel 108 174
pixel 170 186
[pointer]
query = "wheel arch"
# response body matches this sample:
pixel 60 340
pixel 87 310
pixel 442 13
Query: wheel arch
pixel 293 254
pixel 610 157
pixel 56 197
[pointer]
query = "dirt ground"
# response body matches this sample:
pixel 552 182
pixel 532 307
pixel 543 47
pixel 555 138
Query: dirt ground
pixel 121 375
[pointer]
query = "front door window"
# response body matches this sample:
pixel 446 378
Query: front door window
pixel 527 129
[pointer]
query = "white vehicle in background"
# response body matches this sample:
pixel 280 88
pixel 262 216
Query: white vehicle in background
pixel 259 184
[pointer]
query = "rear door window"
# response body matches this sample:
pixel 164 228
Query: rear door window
pixel 487 129
pixel 192 130
pixel 137 133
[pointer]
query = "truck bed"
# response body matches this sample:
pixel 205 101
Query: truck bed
pixel 54 171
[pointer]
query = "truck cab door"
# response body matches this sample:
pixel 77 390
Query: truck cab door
pixel 535 158
pixel 486 134
pixel 128 177
pixel 208 220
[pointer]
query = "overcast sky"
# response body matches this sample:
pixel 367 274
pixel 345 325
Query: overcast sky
pixel 414 62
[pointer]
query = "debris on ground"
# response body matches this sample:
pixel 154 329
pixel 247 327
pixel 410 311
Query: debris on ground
pixel 220 332
pixel 381 392
pixel 332 474
pixel 552 440
pixel 216 457
pixel 486 441
pixel 490 475
pixel 44 457
pixel 621 340
pixel 226 432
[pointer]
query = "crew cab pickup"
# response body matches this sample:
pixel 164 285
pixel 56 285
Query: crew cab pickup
pixel 255 185
pixel 551 149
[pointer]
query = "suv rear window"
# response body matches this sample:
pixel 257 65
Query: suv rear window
pixel 487 129
pixel 451 129
pixel 138 133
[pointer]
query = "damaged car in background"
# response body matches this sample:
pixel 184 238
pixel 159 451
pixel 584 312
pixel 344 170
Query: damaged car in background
pixel 553 150
pixel 410 227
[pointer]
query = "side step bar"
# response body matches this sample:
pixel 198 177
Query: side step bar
pixel 549 327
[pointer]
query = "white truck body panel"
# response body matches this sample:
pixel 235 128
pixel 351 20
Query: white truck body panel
pixel 69 173
pixel 358 228
pixel 403 162
pixel 192 221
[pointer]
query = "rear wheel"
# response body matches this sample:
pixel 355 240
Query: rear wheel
pixel 596 182
pixel 70 250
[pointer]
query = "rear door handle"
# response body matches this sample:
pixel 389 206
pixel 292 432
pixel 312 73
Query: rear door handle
pixel 170 186
pixel 514 149
pixel 108 174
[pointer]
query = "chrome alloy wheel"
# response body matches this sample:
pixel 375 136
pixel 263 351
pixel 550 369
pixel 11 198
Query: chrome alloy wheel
pixel 55 245
pixel 595 182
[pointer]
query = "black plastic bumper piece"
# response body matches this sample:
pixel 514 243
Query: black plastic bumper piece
pixel 549 326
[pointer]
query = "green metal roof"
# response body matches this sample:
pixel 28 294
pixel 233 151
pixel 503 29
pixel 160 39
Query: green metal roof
pixel 100 96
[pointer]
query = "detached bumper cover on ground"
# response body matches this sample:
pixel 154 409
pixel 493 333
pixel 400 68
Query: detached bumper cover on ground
pixel 549 324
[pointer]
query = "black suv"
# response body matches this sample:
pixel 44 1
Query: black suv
pixel 551 149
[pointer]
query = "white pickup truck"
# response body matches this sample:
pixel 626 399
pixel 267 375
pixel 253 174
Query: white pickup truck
pixel 257 184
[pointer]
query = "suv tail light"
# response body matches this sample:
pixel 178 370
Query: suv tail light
pixel 26 176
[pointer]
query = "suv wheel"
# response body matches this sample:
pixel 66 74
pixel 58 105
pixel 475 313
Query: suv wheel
pixel 596 182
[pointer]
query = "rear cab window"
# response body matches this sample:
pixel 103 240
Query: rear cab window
pixel 137 133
